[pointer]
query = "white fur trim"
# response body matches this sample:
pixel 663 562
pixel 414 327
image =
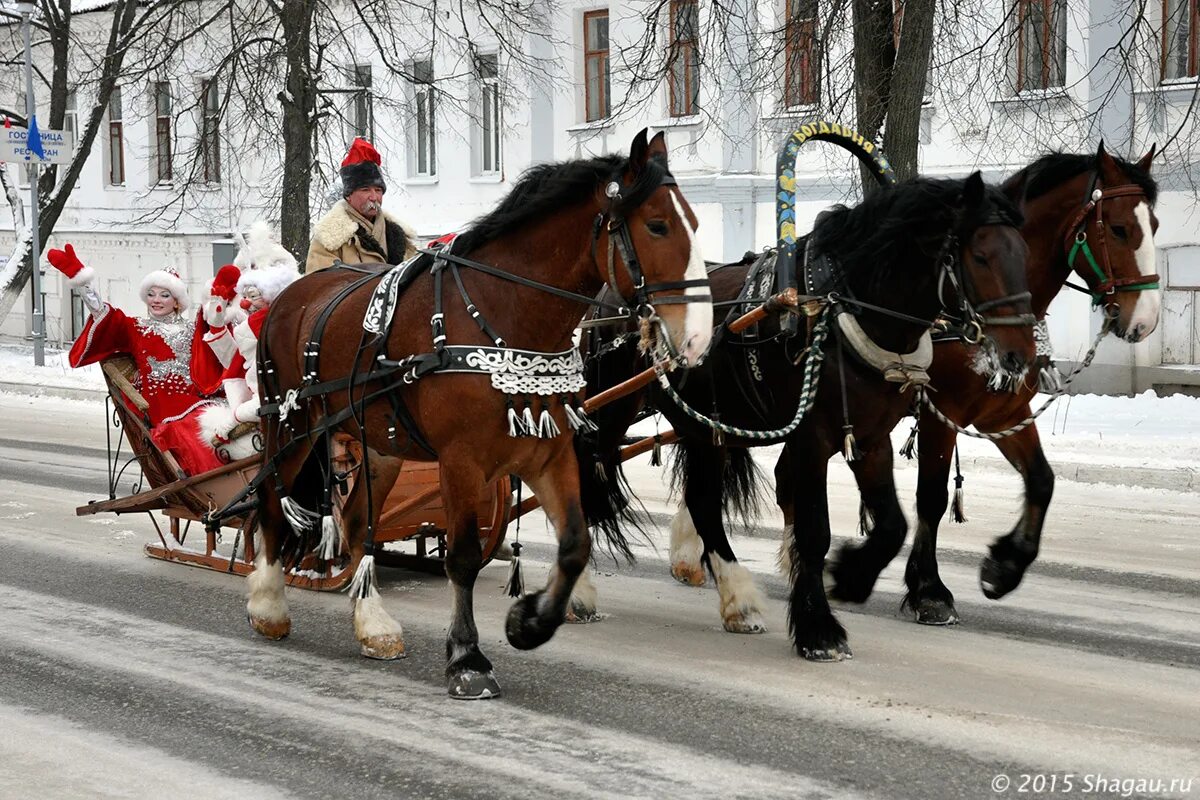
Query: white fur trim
pixel 270 281
pixel 82 278
pixel 165 280
pixel 260 250
pixel 219 421
pixel 335 228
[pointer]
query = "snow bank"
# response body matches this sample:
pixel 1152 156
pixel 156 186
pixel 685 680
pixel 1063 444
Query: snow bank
pixel 16 366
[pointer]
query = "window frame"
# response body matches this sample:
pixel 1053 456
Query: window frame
pixel 601 59
pixel 163 157
pixel 1193 67
pixel 424 119
pixel 803 55
pixel 116 138
pixel 210 129
pixel 1048 34
pixel 687 51
pixel 362 101
pixel 491 140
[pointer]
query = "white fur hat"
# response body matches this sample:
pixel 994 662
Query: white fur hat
pixel 167 279
pixel 270 281
pixel 259 249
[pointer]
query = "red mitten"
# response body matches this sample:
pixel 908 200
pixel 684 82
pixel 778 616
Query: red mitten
pixel 66 262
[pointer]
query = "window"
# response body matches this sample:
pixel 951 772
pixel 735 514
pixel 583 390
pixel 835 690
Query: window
pixel 116 140
pixel 210 139
pixel 362 117
pixel 487 69
pixel 595 66
pixel 162 132
pixel 800 85
pixel 1179 39
pixel 683 73
pixel 424 102
pixel 1041 44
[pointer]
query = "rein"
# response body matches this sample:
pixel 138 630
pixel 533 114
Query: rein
pixel 1076 242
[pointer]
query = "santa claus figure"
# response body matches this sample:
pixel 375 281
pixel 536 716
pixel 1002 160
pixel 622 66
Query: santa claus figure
pixel 218 317
pixel 161 346
pixel 267 268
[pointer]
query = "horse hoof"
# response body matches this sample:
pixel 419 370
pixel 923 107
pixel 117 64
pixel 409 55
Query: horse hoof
pixel 998 578
pixel 935 612
pixel 688 574
pixel 751 622
pixel 471 685
pixel 387 647
pixel 525 628
pixel 269 628
pixel 580 614
pixel 827 655
pixel 852 583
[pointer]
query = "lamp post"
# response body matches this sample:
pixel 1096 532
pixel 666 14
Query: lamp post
pixel 26 10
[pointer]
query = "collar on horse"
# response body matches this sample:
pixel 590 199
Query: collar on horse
pixel 1106 284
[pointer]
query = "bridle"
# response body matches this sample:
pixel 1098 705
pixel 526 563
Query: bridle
pixel 1106 284
pixel 973 316
pixel 620 241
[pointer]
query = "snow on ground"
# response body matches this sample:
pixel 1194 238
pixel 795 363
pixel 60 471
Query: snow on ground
pixel 16 366
pixel 1141 431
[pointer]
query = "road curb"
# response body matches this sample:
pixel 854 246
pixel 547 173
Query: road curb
pixel 64 392
pixel 1175 479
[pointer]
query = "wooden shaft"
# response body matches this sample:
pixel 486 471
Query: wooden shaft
pixel 116 377
pixel 788 298
pixel 620 390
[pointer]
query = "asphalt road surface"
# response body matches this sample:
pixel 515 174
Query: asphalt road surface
pixel 121 676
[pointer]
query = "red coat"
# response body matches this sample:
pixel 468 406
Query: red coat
pixel 163 354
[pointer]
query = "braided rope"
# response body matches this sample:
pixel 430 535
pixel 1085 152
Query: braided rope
pixel 1032 418
pixel 808 390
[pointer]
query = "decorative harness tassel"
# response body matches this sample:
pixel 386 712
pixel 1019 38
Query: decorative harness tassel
pixel 300 518
pixel 849 446
pixel 656 453
pixel 531 428
pixel 515 586
pixel 956 508
pixel 547 427
pixel 330 537
pixel 363 585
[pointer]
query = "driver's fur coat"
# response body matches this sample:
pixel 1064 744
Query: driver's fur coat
pixel 345 236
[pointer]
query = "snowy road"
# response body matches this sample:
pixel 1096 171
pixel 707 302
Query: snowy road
pixel 125 677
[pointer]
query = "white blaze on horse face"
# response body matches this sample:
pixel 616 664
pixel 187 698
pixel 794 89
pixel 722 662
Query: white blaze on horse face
pixel 1145 311
pixel 697 321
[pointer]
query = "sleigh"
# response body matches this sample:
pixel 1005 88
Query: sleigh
pixel 411 528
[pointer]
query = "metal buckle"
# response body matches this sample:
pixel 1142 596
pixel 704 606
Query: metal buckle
pixel 977 337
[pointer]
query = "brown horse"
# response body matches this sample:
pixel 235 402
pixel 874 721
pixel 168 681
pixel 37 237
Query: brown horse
pixel 524 272
pixel 1056 195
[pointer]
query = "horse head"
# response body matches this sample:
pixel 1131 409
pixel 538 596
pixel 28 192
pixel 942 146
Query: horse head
pixel 995 301
pixel 647 249
pixel 1111 244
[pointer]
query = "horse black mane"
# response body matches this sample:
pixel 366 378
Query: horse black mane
pixel 544 189
pixel 1054 169
pixel 888 231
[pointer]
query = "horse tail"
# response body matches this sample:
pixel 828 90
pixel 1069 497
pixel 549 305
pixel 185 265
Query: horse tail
pixel 743 487
pixel 609 504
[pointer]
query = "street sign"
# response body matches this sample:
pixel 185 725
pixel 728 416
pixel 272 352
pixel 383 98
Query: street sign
pixel 58 146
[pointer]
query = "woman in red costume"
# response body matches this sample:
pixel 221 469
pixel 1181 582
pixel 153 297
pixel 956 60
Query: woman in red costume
pixel 160 344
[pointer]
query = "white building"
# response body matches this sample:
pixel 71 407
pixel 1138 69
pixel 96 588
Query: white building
pixel 1049 81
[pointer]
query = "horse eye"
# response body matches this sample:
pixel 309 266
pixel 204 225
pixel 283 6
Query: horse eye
pixel 657 227
pixel 1119 231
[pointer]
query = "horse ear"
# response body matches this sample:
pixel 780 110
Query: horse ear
pixel 1147 161
pixel 638 151
pixel 1110 171
pixel 973 193
pixel 658 147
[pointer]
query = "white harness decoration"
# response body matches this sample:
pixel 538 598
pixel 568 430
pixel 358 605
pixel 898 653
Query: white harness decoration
pixel 909 369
